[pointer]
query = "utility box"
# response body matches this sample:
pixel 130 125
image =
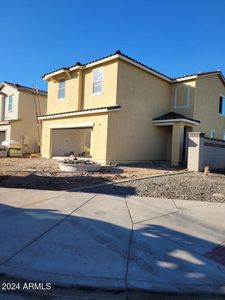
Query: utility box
pixel 15 152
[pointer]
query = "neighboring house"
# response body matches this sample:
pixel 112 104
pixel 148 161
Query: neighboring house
pixel 116 109
pixel 19 108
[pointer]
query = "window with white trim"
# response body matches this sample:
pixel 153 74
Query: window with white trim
pixel 212 134
pixel 182 96
pixel 222 106
pixel 10 104
pixel 97 81
pixel 61 89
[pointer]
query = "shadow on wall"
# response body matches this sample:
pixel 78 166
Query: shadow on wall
pixel 81 246
pixel 192 144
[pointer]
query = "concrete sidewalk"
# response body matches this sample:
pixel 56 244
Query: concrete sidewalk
pixel 133 245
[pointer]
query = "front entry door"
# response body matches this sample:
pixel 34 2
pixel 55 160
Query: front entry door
pixel 185 143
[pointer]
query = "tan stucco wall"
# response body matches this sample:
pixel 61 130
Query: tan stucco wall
pixel 10 91
pixel 131 134
pixel 187 111
pixel 108 95
pixel 206 108
pixel 24 118
pixel 99 135
pixel 27 122
pixel 69 103
pixel 88 100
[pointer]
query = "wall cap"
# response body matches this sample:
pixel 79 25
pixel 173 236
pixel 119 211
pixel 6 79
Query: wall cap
pixel 196 134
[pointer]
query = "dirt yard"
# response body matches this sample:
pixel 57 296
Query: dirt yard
pixel 42 173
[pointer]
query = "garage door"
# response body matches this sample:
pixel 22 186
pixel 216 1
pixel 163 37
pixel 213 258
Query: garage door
pixel 65 141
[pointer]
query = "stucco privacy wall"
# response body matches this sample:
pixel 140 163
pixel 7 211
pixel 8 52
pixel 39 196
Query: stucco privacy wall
pixel 131 134
pixel 99 134
pixel 203 151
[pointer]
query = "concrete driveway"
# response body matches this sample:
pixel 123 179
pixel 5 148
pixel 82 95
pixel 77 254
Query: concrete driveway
pixel 129 245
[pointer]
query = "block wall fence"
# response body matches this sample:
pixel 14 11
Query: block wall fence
pixel 204 151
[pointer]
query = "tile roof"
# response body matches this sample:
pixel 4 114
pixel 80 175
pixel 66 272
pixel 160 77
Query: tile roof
pixel 26 89
pixel 83 110
pixel 202 74
pixel 173 116
pixel 118 52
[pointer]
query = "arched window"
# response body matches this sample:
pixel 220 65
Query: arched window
pixel 182 96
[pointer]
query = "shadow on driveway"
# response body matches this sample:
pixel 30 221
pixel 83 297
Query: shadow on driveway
pixel 96 252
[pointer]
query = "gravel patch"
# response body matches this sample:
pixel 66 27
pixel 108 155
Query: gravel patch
pixel 189 186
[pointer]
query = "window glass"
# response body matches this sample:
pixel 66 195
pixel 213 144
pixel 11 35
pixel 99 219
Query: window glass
pixel 222 106
pixel 97 81
pixel 10 107
pixel 62 88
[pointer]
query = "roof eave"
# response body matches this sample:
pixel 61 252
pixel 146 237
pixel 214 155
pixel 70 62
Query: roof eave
pixel 104 60
pixel 172 121
pixel 78 113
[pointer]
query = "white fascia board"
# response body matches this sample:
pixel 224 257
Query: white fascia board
pixel 185 78
pixel 124 59
pixel 164 124
pixel 107 60
pixel 174 120
pixel 97 111
pixel 11 86
pixel 86 125
pixel 102 61
pixel 49 76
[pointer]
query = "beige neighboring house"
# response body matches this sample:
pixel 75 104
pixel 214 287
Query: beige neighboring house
pixel 116 109
pixel 19 108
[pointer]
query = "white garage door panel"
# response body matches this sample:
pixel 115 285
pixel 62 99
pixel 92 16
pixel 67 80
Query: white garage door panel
pixel 70 140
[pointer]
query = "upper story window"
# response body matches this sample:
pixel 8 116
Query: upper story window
pixel 10 104
pixel 182 96
pixel 222 105
pixel 97 81
pixel 62 89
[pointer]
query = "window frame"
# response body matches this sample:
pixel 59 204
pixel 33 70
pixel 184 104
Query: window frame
pixel 62 88
pixel 97 81
pixel 188 96
pixel 10 104
pixel 223 97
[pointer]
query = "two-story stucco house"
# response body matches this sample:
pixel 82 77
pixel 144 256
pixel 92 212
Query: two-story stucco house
pixel 19 110
pixel 116 109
